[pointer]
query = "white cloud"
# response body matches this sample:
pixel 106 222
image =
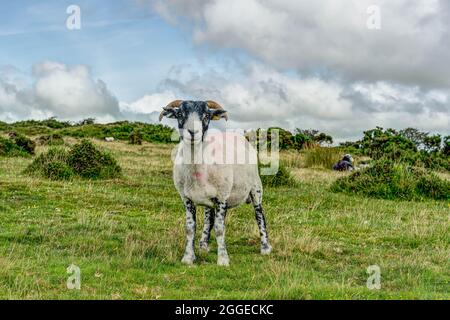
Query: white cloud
pixel 329 36
pixel 148 103
pixel 67 92
pixel 259 96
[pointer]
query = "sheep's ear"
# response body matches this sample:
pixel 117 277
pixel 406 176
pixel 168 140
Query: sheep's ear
pixel 217 114
pixel 216 110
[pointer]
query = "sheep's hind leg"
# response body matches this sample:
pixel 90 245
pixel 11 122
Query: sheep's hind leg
pixel 219 228
pixel 208 225
pixel 189 254
pixel 256 197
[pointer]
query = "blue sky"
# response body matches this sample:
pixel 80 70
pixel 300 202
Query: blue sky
pixel 290 63
pixel 127 46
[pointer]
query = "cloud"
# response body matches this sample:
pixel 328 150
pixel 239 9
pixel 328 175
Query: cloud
pixel 329 36
pixel 260 96
pixel 56 89
pixel 148 107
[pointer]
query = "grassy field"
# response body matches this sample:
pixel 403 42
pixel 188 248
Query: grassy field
pixel 127 237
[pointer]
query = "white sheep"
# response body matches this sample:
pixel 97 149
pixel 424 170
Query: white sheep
pixel 217 171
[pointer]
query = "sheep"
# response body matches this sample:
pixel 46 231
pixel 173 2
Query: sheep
pixel 109 139
pixel 206 174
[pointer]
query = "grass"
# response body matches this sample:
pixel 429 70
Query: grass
pixel 322 157
pixel 127 237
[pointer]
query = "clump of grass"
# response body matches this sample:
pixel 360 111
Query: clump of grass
pixel 83 160
pixel 16 145
pixel 136 137
pixel 292 159
pixel 387 179
pixel 321 157
pixel 53 139
pixel 282 178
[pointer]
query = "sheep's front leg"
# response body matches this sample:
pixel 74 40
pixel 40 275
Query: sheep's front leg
pixel 207 226
pixel 219 228
pixel 189 254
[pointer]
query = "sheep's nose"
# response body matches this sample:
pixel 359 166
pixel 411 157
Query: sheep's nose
pixel 192 132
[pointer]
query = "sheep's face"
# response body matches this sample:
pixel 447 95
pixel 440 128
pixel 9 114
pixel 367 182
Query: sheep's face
pixel 193 119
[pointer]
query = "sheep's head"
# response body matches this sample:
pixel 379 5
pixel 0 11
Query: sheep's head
pixel 193 117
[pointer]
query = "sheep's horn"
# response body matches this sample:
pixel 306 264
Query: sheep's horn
pixel 172 105
pixel 214 105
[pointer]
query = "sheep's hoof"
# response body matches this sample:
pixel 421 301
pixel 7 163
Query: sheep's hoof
pixel 223 261
pixel 266 249
pixel 188 259
pixel 204 247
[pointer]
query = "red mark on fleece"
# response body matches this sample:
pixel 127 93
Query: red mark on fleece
pixel 197 175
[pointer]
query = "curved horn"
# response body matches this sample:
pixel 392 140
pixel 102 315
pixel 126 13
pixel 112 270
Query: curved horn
pixel 214 105
pixel 172 105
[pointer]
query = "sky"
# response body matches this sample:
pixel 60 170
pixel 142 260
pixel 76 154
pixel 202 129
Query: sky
pixel 340 66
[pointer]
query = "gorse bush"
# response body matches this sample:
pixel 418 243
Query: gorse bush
pixel 321 157
pixel 89 162
pixel 282 178
pixel 24 142
pixel 52 164
pixel 83 160
pixel 16 145
pixel 388 179
pixel 409 146
pixel 9 148
pixel 121 131
pixel 136 137
pixel 87 128
pixel 288 140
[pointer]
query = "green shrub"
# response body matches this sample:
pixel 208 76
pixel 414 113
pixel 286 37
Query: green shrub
pixel 53 139
pixel 83 160
pixel 321 157
pixel 16 145
pixel 10 149
pixel 410 146
pixel 282 178
pixel 446 147
pixel 288 140
pixel 52 164
pixel 89 162
pixel 387 179
pixel 121 131
pixel 23 142
pixel 136 137
pixel 58 171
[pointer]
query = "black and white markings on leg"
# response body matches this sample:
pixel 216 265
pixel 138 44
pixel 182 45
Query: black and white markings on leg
pixel 189 254
pixel 219 229
pixel 207 227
